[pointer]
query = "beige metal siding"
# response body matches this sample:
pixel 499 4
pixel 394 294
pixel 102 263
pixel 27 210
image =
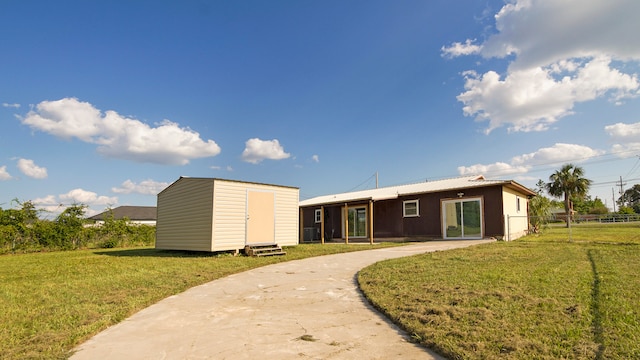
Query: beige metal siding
pixel 229 215
pixel 184 215
pixel 287 216
pixel 516 223
pixel 230 212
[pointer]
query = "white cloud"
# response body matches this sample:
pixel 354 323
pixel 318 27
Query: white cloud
pixel 29 168
pixel 459 49
pixel 4 174
pixel 495 169
pixel 626 150
pixel 556 154
pixel 118 136
pixel 7 105
pixel 257 150
pixel 624 132
pixel 49 204
pixel 542 32
pixel 560 53
pixel 46 201
pixel 145 187
pixel 532 99
pixel 81 196
pixel 227 168
pixel 315 158
pixel 522 164
pixel 627 137
pixel 54 205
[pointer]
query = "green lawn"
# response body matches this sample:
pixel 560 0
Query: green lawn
pixel 52 302
pixel 545 296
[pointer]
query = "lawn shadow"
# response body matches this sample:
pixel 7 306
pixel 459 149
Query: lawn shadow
pixel 159 253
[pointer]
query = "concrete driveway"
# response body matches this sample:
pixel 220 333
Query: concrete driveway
pixel 303 309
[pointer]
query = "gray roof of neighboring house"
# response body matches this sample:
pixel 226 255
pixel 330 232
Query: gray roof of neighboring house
pixel 133 213
pixel 392 192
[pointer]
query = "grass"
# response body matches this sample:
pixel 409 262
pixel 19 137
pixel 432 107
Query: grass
pixel 51 302
pixel 541 297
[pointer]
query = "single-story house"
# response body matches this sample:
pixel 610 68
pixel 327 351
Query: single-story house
pixel 141 215
pixel 470 207
pixel 209 214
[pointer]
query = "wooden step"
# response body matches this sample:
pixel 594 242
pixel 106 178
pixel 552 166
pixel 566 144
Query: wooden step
pixel 263 249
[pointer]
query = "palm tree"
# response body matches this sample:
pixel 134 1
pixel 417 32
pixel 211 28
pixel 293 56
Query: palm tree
pixel 569 182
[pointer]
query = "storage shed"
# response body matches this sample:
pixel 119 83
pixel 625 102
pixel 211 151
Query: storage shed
pixel 209 214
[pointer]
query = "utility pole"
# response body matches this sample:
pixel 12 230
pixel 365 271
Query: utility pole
pixel 621 186
pixel 613 197
pixel 376 179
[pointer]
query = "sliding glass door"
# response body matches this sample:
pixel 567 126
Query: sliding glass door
pixel 358 222
pixel 462 219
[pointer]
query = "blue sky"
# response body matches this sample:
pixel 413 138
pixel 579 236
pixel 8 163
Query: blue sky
pixel 106 103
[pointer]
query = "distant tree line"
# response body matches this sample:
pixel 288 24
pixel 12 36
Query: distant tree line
pixel 569 184
pixel 629 201
pixel 21 230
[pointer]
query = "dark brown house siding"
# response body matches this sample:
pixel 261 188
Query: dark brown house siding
pixel 390 223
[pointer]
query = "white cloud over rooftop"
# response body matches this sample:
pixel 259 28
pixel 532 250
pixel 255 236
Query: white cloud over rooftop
pixel 145 187
pixel 554 155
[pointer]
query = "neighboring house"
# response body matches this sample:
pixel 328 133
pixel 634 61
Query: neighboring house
pixel 208 214
pixel 460 208
pixel 142 215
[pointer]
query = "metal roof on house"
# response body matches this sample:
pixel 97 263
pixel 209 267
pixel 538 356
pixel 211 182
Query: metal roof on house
pixel 392 192
pixel 130 212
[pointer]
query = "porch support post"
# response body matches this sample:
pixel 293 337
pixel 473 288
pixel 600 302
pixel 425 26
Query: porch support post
pixel 371 222
pixel 301 229
pixel 322 224
pixel 346 223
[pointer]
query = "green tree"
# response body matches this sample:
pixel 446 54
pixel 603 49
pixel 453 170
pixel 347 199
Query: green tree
pixel 631 198
pixel 70 224
pixel 567 183
pixel 539 212
pixel 539 208
pixel 625 210
pixel 586 205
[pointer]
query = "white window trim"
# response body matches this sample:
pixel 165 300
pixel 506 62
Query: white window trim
pixel 518 204
pixel 404 208
pixel 317 215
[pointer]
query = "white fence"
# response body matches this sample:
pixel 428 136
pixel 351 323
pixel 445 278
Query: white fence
pixel 537 223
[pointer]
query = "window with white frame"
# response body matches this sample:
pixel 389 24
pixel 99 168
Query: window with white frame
pixel 518 203
pixel 318 215
pixel 410 208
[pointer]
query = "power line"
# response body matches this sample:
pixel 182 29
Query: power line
pixel 634 168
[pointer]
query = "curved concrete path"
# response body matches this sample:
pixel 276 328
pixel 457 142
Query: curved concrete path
pixel 303 309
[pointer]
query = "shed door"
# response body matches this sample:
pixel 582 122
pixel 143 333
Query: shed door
pixel 260 217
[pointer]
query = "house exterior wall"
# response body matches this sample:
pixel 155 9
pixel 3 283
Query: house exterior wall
pixel 390 223
pixel 185 215
pixel 332 226
pixel 516 223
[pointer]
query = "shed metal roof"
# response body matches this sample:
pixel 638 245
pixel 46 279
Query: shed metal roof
pixel 392 192
pixel 188 178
